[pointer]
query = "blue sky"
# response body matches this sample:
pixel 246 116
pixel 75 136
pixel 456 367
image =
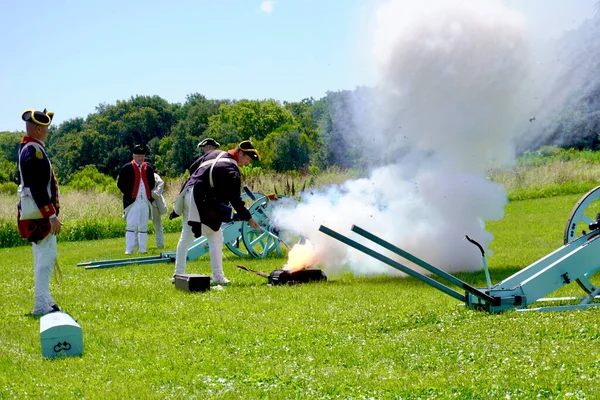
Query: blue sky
pixel 71 55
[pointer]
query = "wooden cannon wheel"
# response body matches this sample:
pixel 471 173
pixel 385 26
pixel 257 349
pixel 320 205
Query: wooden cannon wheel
pixel 583 214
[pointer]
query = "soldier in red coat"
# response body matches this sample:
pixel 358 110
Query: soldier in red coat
pixel 136 181
pixel 39 206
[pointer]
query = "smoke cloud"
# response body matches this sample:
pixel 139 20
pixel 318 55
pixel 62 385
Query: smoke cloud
pixel 453 91
pixel 566 97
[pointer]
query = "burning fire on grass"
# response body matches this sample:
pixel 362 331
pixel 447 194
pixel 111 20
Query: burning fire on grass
pixel 301 256
pixel 297 269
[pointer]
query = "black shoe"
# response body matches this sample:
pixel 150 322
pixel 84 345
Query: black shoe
pixel 54 308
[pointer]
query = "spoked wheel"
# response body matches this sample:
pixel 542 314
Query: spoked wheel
pixel 237 246
pixel 259 243
pixel 582 215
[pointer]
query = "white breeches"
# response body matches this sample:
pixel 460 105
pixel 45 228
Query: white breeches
pixel 215 242
pixel 137 224
pixel 44 258
pixel 158 227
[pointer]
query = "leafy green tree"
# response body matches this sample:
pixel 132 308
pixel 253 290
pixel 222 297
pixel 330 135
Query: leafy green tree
pixel 117 157
pixel 227 134
pixel 135 121
pixel 106 138
pixel 9 148
pixel 160 159
pixel 290 151
pixel 250 118
pixel 9 145
pixel 303 114
pixel 338 131
pixel 183 150
pixel 310 114
pixel 193 121
pixel 79 149
pixel 88 178
pixel 71 125
pixel 196 112
pixel 289 136
pixel 8 171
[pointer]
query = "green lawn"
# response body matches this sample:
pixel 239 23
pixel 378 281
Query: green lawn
pixel 348 338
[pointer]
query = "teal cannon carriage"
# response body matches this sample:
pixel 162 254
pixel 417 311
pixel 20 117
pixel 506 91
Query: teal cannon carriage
pixel 238 237
pixel 577 260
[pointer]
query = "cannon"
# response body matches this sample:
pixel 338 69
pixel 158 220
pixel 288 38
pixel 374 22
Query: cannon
pixel 238 237
pixel 578 260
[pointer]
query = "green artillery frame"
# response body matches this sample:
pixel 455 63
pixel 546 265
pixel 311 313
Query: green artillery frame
pixel 577 260
pixel 238 237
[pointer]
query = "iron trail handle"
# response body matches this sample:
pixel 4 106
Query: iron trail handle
pixel 483 260
pixel 476 244
pixel 249 193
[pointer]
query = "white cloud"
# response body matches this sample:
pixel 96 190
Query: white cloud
pixel 267 6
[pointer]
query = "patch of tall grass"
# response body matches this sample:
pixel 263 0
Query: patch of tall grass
pixel 293 183
pixel 92 209
pixel 540 180
pixel 553 154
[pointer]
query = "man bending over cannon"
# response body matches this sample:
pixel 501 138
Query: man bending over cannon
pixel 207 195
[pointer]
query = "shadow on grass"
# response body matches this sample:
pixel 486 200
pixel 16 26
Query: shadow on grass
pixel 266 283
pixel 476 279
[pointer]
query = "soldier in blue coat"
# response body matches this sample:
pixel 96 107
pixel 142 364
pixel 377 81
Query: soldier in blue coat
pixel 39 193
pixel 207 145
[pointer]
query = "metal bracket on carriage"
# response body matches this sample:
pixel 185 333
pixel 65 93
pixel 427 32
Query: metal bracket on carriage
pixel 595 225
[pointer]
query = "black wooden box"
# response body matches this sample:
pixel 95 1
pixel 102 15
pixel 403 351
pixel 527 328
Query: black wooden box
pixel 192 282
pixel 282 277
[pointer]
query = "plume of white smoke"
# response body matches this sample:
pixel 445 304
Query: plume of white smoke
pixel 566 99
pixel 452 76
pixel 454 72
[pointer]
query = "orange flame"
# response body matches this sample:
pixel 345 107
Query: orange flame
pixel 300 256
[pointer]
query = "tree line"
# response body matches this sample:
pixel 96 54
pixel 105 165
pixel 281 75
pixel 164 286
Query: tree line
pixel 308 135
pixel 290 136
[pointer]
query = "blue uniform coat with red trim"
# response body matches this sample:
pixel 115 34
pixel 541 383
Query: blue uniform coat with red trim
pixel 37 173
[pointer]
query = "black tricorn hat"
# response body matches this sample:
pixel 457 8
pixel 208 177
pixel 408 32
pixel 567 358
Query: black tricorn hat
pixel 42 118
pixel 209 142
pixel 247 147
pixel 140 149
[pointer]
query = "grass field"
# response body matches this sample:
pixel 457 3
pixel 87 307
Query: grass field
pixel 348 338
